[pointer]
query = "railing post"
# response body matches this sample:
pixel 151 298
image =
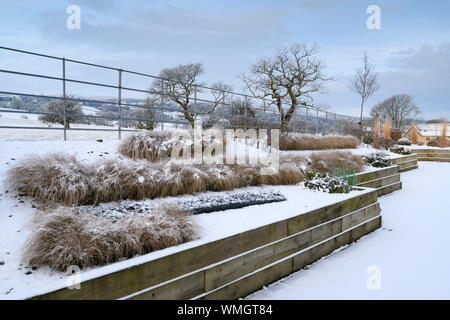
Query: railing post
pixel 162 105
pixel 119 101
pixel 306 120
pixel 295 111
pixel 326 120
pixel 245 110
pixel 317 121
pixel 264 106
pixel 195 101
pixel 335 124
pixel 64 96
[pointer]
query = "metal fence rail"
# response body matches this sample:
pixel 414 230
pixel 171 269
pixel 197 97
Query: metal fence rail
pixel 261 113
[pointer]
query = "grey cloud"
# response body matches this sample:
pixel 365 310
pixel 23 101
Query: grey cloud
pixel 167 27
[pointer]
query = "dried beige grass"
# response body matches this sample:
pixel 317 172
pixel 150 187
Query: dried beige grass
pixel 329 161
pixel 414 137
pixel 56 177
pixel 66 237
pixel 297 141
pixel 62 179
pixel 153 146
pixel 157 146
pixel 376 133
pixel 387 129
pixel 443 142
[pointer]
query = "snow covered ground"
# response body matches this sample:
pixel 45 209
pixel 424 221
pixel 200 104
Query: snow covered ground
pixel 426 147
pixel 20 281
pixel 410 253
pixel 31 120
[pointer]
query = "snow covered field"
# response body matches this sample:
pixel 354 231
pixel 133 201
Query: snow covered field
pixel 411 250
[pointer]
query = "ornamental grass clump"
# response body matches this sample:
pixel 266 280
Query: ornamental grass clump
pixel 387 129
pixel 443 142
pixel 414 136
pixel 62 179
pixel 376 133
pixel 66 237
pixel 152 146
pixel 328 161
pixel 298 141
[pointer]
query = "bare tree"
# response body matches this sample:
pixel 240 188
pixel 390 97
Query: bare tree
pixel 73 110
pixel 182 80
pixel 180 85
pixel 146 114
pixel 399 109
pixel 289 77
pixel 364 82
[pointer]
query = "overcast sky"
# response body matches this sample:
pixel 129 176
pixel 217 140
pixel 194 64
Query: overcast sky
pixel 411 52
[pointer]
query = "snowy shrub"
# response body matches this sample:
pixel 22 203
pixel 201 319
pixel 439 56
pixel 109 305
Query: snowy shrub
pixel 404 142
pixel 368 138
pixel 297 141
pixel 326 183
pixel 386 143
pixel 66 237
pixel 400 150
pixel 378 160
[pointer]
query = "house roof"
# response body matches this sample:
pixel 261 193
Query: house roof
pixel 431 129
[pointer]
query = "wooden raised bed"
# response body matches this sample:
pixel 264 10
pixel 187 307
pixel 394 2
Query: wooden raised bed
pixel 441 155
pixel 235 266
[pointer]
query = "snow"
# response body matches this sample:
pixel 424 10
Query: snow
pixel 411 249
pixel 15 218
pixel 362 150
pixel 414 146
pixel 90 111
pixel 31 120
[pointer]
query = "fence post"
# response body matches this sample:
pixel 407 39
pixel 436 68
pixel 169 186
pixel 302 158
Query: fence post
pixel 119 101
pixel 306 120
pixel 195 102
pixel 335 124
pixel 247 102
pixel 317 121
pixel 326 120
pixel 162 105
pixel 295 111
pixel 264 106
pixel 64 96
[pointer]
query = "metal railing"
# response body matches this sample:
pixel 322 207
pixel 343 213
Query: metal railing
pixel 257 112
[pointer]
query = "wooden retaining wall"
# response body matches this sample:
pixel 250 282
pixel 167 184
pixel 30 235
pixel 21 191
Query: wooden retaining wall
pixel 441 155
pixel 384 180
pixel 235 266
pixel 406 163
